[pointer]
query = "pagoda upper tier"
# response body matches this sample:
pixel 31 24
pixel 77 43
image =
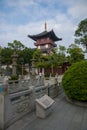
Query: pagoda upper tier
pixel 45 34
pixel 45 41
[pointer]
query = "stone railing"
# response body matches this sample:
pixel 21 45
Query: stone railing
pixel 15 105
pixel 18 85
pixel 18 98
pixel 41 91
pixel 53 90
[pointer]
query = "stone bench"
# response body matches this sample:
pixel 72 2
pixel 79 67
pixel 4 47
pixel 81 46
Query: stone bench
pixel 44 106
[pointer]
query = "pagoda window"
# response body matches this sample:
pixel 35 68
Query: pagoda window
pixel 42 47
pixel 46 45
pixel 38 47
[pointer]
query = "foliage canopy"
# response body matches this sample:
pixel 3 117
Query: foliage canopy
pixel 76 53
pixel 75 81
pixel 16 45
pixel 81 33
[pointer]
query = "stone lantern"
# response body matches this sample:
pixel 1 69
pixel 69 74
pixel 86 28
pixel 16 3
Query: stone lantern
pixel 14 65
pixel 33 66
pixel 22 67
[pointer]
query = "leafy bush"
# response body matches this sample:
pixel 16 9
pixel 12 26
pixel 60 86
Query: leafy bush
pixel 75 81
pixel 47 75
pixel 13 77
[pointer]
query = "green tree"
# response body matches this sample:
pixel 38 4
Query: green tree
pixel 61 58
pixel 61 54
pixel 62 49
pixel 16 45
pixel 76 53
pixel 24 57
pixel 6 54
pixel 37 54
pixel 26 54
pixel 51 60
pixel 40 59
pixel 81 33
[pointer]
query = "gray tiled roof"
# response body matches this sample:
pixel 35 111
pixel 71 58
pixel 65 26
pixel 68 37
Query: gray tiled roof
pixel 50 34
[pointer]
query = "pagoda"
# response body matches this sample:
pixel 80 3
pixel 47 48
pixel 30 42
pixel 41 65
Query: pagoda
pixel 45 41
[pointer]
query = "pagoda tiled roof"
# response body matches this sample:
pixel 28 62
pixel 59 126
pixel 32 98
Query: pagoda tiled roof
pixel 45 34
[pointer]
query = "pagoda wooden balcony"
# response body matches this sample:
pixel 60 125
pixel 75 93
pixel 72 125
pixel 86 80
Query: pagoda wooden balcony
pixel 45 41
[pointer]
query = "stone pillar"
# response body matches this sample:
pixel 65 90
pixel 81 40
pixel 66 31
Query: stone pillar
pixel 33 66
pixel 43 71
pixel 22 67
pixel 14 65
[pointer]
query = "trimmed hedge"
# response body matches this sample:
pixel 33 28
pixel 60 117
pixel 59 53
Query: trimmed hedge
pixel 75 81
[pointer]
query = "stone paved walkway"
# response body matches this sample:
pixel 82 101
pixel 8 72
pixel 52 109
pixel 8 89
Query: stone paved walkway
pixel 65 116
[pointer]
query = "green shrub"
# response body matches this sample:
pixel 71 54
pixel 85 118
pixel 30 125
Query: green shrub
pixel 13 77
pixel 75 81
pixel 47 75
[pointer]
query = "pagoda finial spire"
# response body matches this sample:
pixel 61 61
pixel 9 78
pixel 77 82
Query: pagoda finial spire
pixel 45 26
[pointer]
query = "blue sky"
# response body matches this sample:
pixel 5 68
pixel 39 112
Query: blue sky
pixel 18 18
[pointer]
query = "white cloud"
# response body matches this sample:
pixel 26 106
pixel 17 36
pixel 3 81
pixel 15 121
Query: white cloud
pixel 11 32
pixel 63 20
pixel 63 30
pixel 78 11
pixel 20 3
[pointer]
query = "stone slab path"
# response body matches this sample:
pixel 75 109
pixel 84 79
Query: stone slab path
pixel 65 116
